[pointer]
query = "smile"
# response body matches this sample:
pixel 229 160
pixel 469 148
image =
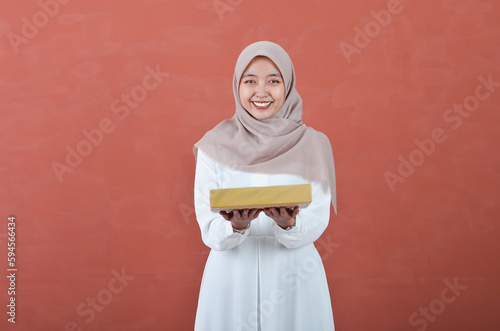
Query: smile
pixel 261 105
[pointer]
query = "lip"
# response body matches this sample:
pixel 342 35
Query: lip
pixel 269 103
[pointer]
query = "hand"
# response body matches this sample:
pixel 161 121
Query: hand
pixel 284 217
pixel 240 219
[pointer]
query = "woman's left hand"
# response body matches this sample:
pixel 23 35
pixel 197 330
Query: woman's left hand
pixel 284 217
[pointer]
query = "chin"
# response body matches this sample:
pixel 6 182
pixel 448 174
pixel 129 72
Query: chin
pixel 261 116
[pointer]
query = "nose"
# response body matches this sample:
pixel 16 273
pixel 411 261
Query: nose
pixel 261 90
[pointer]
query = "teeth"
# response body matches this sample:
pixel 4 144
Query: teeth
pixel 262 104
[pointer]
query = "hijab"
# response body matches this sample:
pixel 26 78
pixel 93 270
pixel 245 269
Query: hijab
pixel 281 144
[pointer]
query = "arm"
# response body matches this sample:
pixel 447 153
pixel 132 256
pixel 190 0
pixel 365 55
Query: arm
pixel 310 222
pixel 216 232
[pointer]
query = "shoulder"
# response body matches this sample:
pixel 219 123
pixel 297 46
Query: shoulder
pixel 220 133
pixel 203 158
pixel 318 136
pixel 224 128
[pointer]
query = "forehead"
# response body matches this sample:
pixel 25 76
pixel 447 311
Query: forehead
pixel 262 63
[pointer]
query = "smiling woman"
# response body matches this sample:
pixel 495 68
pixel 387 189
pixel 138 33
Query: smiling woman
pixel 264 272
pixel 261 89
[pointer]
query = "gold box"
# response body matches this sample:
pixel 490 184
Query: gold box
pixel 288 196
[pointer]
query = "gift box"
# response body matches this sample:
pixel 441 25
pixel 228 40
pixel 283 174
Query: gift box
pixel 288 196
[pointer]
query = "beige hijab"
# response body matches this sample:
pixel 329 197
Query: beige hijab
pixel 281 144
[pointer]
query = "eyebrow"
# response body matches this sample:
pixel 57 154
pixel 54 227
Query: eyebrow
pixel 271 75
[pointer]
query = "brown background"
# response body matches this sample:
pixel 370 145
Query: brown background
pixel 127 207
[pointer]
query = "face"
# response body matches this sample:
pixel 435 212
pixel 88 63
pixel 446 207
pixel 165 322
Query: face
pixel 262 90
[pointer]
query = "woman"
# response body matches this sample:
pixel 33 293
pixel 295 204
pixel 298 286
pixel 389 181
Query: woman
pixel 263 272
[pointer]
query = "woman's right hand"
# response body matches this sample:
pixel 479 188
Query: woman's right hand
pixel 240 219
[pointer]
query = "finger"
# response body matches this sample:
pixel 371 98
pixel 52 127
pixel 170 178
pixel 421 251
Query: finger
pixel 271 212
pixel 244 214
pixel 295 211
pixel 236 215
pixel 226 215
pixel 283 212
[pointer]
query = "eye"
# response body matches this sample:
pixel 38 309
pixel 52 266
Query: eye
pixel 249 81
pixel 275 81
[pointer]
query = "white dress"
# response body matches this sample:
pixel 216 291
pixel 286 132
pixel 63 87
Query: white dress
pixel 267 279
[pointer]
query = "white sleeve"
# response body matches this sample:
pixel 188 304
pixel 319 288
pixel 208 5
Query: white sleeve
pixel 216 232
pixel 310 222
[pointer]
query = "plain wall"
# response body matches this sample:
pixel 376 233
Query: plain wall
pixel 102 190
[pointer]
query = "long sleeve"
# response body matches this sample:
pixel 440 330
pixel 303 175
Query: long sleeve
pixel 311 222
pixel 216 232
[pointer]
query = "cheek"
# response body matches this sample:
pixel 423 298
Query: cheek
pixel 243 94
pixel 279 96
